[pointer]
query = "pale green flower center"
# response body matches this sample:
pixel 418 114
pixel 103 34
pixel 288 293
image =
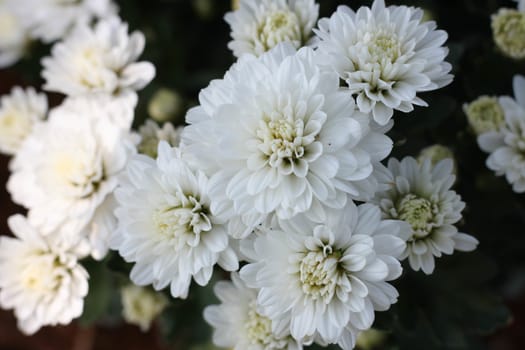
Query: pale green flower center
pixel 508 29
pixel 318 274
pixel 383 45
pixel 279 26
pixel 189 217
pixel 282 140
pixel 485 114
pixel 258 327
pixel 418 212
pixel 8 26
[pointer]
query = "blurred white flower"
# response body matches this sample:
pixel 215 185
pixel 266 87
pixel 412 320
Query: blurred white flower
pixel 507 145
pixel 259 25
pixel 151 134
pixel 140 305
pixel 386 55
pixel 325 279
pixel 19 111
pixel 237 323
pixel 420 194
pixel 13 34
pixel 66 170
pixel 50 20
pixel 39 278
pixel 166 226
pixel 278 135
pixel 99 59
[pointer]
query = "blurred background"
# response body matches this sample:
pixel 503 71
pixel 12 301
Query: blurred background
pixel 473 301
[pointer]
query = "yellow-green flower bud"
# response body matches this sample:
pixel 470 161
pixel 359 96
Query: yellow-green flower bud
pixel 508 30
pixel 235 4
pixel 484 114
pixel 140 305
pixel 370 339
pixel 151 134
pixel 437 153
pixel 165 105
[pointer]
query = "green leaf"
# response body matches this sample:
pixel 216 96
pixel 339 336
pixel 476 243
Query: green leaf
pixel 100 292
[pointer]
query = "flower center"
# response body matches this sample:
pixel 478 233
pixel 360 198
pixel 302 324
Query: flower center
pixel 279 26
pixel 34 279
pixel 418 212
pixel 75 173
pixel 318 274
pixel 383 45
pixel 8 27
pixel 190 217
pixel 258 327
pixel 282 140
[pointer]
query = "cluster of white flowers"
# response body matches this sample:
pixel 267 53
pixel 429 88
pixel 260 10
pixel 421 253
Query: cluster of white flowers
pixel 67 161
pixel 48 20
pixel 266 173
pixel 506 144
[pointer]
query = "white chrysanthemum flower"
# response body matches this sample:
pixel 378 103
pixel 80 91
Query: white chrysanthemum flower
pixel 420 195
pixel 507 145
pixel 50 20
pixel 278 134
pixel 237 323
pixel 259 25
pixel 166 226
pixel 386 55
pixel 66 170
pixel 151 134
pixel 140 305
pixel 99 59
pixel 325 279
pixel 19 111
pixel 13 34
pixel 39 278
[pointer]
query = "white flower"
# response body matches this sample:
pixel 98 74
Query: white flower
pixel 50 20
pixel 13 35
pixel 166 226
pixel 40 279
pixel 278 134
pixel 325 279
pixel 66 170
pixel 19 111
pixel 420 195
pixel 99 59
pixel 386 55
pixel 507 145
pixel 140 306
pixel 151 134
pixel 238 324
pixel 259 25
